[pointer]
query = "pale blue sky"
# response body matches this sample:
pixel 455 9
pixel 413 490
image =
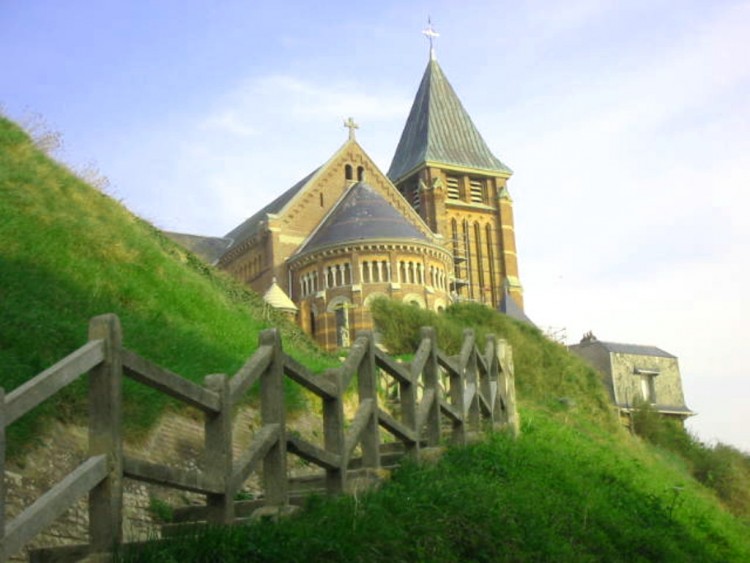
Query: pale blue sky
pixel 626 124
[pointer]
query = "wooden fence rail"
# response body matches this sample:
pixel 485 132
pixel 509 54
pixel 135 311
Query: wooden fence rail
pixel 464 390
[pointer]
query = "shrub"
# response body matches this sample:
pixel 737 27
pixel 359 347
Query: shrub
pixel 722 468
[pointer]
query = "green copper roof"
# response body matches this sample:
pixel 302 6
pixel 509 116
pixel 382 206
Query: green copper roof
pixel 440 130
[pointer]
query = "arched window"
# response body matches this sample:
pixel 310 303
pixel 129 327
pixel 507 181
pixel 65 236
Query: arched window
pixel 329 277
pixel 456 252
pixel 348 172
pixel 360 173
pixel 480 264
pixel 491 262
pixel 469 257
pixel 416 300
pixel 340 308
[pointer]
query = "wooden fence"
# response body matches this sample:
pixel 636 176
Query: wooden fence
pixel 466 389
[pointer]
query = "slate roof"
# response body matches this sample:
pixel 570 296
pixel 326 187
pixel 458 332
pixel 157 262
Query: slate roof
pixel 209 249
pixel 362 214
pixel 440 130
pixel 250 226
pixel 635 349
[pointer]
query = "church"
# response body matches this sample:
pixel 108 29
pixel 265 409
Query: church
pixel 437 228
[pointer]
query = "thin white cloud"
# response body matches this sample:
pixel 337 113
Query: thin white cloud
pixel 280 101
pixel 229 122
pixel 255 141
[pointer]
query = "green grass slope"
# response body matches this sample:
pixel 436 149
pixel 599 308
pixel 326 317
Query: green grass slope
pixel 69 252
pixel 547 375
pixel 555 494
pixel 573 487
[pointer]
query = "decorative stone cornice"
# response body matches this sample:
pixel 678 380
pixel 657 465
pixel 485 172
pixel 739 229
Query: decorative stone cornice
pixel 434 251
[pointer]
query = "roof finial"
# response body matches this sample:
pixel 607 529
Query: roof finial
pixel 431 34
pixel 349 123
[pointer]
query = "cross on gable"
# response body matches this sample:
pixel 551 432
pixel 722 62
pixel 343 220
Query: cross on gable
pixel 349 124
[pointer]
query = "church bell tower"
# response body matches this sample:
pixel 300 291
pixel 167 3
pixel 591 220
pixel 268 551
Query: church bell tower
pixel 444 168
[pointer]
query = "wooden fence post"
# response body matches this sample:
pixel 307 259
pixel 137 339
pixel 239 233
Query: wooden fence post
pixel 367 388
pixel 472 380
pixel 218 452
pixel 333 434
pixel 430 380
pixel 273 411
pixel 507 385
pixel 2 475
pixel 492 377
pixel 408 399
pixel 105 435
pixel 457 393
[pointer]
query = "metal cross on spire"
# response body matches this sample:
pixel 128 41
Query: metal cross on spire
pixel 431 35
pixel 349 123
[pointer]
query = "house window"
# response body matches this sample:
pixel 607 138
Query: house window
pixel 348 172
pixel 648 390
pixel 360 173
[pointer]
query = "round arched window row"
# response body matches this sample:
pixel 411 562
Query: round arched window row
pixel 338 275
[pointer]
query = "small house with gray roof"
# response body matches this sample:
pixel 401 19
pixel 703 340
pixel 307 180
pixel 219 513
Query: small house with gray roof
pixel 438 228
pixel 634 374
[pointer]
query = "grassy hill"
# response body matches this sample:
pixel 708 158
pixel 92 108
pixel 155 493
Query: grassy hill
pixel 574 487
pixel 555 494
pixel 69 252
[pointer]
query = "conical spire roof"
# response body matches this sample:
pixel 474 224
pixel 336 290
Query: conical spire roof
pixel 362 214
pixel 439 130
pixel 277 298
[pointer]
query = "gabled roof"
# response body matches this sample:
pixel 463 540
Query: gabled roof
pixel 362 214
pixel 250 226
pixel 439 130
